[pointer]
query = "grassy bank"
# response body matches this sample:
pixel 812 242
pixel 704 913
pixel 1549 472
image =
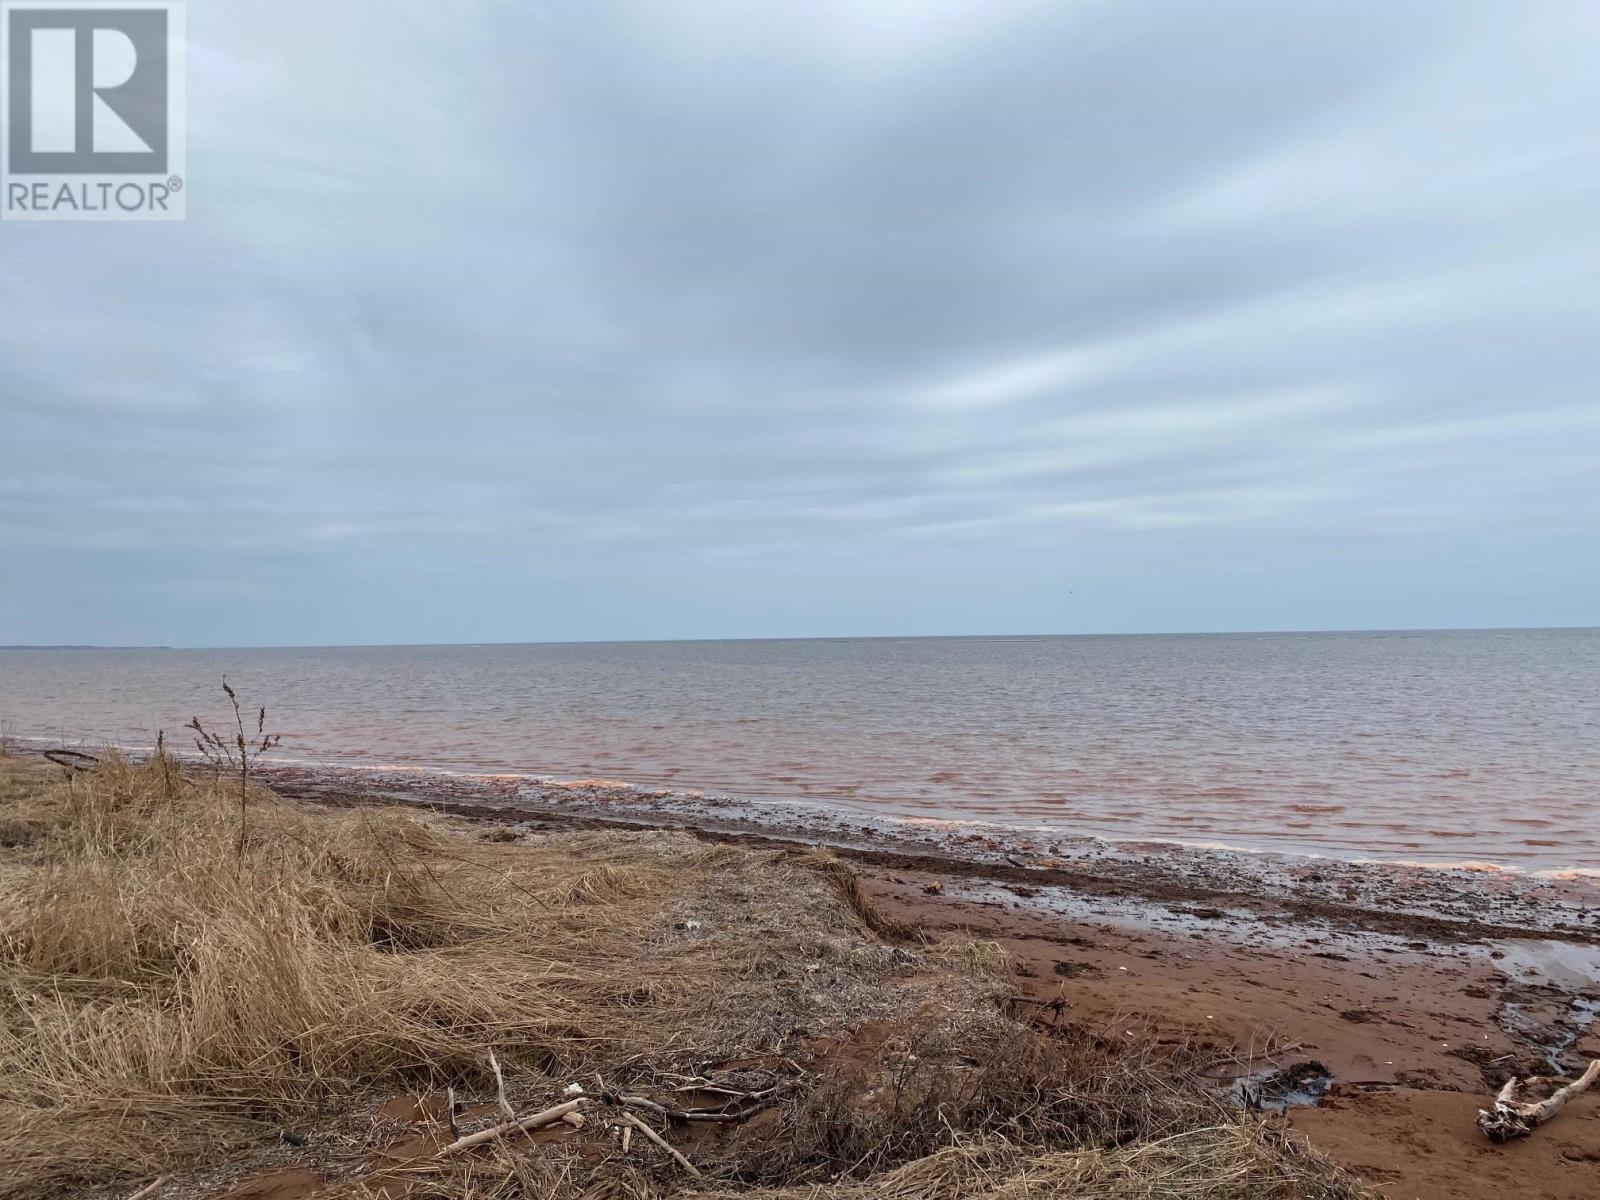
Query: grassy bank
pixel 177 1001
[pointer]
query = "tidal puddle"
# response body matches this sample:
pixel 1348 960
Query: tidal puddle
pixel 1302 1085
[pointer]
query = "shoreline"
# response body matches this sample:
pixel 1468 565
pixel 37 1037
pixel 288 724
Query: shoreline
pixel 831 812
pixel 1462 900
pixel 820 818
pixel 1408 993
pixel 1456 830
pixel 1466 900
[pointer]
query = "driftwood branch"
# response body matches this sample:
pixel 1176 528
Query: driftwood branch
pixel 509 1113
pixel 655 1137
pixel 1512 1117
pixel 740 1106
pixel 533 1121
pixel 73 760
pixel 712 1089
pixel 681 1115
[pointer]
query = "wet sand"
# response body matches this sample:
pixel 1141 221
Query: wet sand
pixel 1412 1031
pixel 1417 990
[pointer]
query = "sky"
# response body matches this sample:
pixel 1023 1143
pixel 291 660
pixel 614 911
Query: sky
pixel 502 320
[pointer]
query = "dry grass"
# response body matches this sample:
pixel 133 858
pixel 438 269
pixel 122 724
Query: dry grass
pixel 1233 1161
pixel 160 995
pixel 166 1003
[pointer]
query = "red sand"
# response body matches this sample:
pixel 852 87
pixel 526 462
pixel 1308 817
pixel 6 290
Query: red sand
pixel 1403 1031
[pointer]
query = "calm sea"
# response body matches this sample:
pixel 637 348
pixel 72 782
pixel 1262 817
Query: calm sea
pixel 1433 747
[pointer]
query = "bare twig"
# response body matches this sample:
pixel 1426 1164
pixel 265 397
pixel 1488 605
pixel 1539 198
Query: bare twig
pixel 500 1087
pixel 683 1115
pixel 655 1137
pixel 148 1188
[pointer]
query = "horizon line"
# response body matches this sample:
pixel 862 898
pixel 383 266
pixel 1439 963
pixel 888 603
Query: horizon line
pixel 845 637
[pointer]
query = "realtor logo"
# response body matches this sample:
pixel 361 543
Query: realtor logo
pixel 92 125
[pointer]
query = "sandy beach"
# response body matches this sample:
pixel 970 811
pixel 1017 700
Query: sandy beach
pixel 1403 996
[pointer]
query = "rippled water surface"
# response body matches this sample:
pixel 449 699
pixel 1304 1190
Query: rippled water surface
pixel 1435 747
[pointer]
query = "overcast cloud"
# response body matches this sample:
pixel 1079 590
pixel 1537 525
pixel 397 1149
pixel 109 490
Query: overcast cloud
pixel 524 321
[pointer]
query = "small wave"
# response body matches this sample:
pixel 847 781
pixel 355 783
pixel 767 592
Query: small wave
pixel 1075 825
pixel 1467 864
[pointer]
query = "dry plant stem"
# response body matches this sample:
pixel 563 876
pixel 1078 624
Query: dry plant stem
pixel 166 765
pixel 676 1114
pixel 534 1121
pixel 244 765
pixel 220 753
pixel 755 1101
pixel 1511 1118
pixel 655 1137
pixel 500 1088
pixel 148 1188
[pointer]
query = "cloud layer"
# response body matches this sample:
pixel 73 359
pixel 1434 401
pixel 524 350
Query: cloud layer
pixel 508 321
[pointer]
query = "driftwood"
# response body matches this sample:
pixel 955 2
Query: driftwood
pixel 533 1121
pixel 629 1119
pixel 506 1110
pixel 1514 1118
pixel 681 1115
pixel 72 760
pixel 713 1090
pixel 740 1106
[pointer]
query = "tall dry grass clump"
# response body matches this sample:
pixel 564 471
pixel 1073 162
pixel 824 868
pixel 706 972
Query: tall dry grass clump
pixel 162 995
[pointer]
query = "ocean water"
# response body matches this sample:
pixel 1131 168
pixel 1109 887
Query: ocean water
pixel 1428 747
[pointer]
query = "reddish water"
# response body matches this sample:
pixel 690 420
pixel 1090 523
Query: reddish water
pixel 1433 747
